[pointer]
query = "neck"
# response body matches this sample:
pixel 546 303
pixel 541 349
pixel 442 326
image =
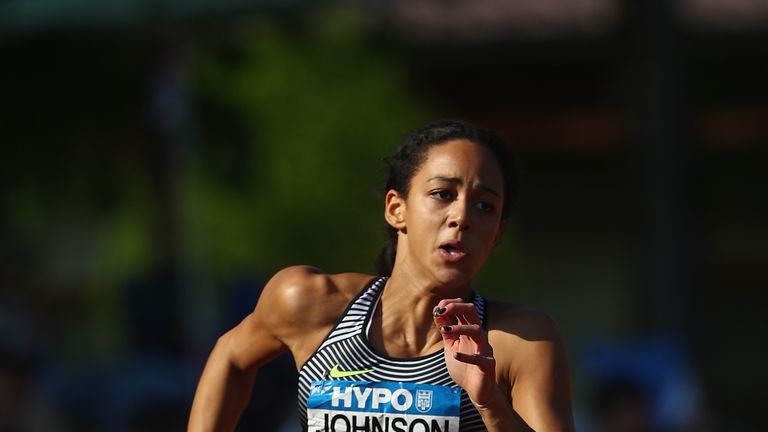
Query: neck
pixel 403 324
pixel 416 288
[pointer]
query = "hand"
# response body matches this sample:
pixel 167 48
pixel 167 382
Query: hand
pixel 468 355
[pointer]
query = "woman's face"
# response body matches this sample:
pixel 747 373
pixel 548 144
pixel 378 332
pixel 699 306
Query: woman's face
pixel 452 215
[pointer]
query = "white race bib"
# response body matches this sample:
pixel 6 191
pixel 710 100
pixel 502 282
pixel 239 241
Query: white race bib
pixel 359 406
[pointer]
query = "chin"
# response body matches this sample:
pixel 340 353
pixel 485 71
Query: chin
pixel 454 276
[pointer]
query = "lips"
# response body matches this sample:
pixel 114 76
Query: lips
pixel 452 251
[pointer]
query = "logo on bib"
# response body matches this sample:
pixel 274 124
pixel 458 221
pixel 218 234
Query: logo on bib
pixel 423 400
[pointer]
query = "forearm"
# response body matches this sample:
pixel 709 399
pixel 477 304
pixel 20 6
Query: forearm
pixel 222 394
pixel 498 415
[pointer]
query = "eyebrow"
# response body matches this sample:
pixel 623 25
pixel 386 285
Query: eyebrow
pixel 458 181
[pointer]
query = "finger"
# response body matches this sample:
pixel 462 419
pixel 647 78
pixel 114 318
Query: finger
pixel 474 334
pixel 449 337
pixel 441 318
pixel 465 313
pixel 454 307
pixel 474 331
pixel 484 362
pixel 439 314
pixel 444 302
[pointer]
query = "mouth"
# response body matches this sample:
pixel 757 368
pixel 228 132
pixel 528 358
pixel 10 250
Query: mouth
pixel 452 251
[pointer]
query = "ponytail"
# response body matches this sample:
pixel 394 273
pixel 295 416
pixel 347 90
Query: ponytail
pixel 385 262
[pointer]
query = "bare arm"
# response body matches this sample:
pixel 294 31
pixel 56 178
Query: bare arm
pixel 539 375
pixel 225 386
pixel 277 324
pixel 472 363
pixel 517 374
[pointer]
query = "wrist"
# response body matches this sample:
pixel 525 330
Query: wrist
pixel 492 400
pixel 498 414
pixel 495 410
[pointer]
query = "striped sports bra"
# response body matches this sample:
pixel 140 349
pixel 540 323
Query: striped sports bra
pixel 347 385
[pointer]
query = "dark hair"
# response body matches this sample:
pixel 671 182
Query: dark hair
pixel 411 154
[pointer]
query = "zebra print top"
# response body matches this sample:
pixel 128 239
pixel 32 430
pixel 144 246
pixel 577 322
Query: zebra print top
pixel 348 344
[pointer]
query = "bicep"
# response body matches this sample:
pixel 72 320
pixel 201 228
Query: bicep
pixel 534 369
pixel 251 344
pixel 541 392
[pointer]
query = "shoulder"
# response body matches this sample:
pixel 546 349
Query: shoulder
pixel 295 310
pixel 525 335
pixel 298 286
pixel 521 321
pixel 299 303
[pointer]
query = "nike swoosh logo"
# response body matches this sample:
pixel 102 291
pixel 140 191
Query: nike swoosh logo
pixel 336 373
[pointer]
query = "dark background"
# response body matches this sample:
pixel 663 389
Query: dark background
pixel 160 160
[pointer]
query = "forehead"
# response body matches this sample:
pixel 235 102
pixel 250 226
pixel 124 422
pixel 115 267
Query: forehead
pixel 462 158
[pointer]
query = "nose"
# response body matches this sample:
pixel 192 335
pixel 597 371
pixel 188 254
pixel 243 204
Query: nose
pixel 458 216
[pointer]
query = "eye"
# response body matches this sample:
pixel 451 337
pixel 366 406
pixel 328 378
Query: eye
pixel 442 194
pixel 485 206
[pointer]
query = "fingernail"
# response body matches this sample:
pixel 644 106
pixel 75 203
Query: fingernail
pixel 446 329
pixel 439 311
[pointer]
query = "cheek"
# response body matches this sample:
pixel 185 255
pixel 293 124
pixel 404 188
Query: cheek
pixel 422 221
pixel 428 213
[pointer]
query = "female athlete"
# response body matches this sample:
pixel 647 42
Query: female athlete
pixel 415 348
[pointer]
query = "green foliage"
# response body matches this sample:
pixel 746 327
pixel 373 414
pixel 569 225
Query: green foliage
pixel 319 109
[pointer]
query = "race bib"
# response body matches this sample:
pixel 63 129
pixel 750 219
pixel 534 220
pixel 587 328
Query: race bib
pixel 336 406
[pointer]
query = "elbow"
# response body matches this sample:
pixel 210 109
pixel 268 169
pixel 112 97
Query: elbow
pixel 223 352
pixel 228 351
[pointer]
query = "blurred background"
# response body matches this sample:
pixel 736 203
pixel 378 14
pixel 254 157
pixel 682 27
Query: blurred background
pixel 161 159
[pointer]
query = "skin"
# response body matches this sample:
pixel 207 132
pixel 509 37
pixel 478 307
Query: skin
pixel 516 373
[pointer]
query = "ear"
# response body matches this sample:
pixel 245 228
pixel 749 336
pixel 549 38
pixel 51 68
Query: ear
pixel 499 233
pixel 394 209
